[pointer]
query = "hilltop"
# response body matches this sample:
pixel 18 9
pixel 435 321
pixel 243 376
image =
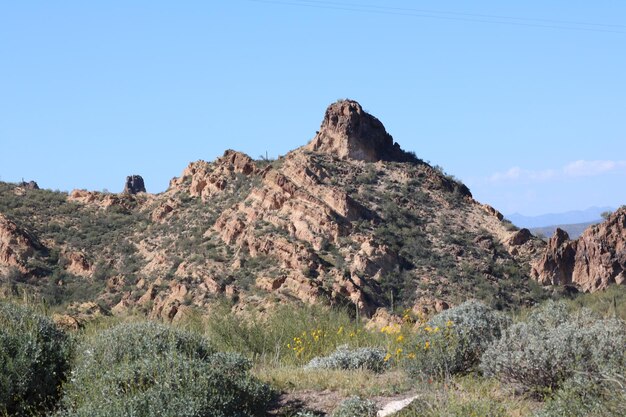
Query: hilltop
pixel 348 219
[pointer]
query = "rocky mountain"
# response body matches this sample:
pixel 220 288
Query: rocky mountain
pixel 592 262
pixel 348 219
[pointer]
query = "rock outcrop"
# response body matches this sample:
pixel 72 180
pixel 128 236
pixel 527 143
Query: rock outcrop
pixel 16 245
pixel 592 262
pixel 30 185
pixel 349 132
pixel 134 185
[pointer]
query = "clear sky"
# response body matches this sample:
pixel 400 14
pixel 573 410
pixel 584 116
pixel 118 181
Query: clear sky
pixel 524 101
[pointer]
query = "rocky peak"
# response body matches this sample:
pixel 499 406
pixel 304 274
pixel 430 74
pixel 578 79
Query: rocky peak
pixel 349 132
pixel 592 262
pixel 134 185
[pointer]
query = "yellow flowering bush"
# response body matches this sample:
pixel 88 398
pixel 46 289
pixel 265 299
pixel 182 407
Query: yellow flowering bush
pixel 319 342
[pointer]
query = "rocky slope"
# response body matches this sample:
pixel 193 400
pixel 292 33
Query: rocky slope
pixel 592 262
pixel 349 218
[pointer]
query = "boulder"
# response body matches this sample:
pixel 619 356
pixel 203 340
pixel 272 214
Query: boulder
pixel 134 185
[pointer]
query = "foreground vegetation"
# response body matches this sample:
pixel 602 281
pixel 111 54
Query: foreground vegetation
pixel 559 358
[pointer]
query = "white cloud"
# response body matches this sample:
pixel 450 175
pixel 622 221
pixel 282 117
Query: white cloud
pixel 590 168
pixel 580 168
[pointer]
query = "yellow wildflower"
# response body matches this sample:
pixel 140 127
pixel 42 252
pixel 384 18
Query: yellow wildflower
pixel 427 345
pixel 400 338
pixel 387 357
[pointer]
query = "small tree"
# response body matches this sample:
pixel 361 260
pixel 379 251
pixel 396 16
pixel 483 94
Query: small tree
pixel 606 214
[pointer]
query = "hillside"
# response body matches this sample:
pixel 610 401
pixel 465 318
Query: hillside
pixel 348 219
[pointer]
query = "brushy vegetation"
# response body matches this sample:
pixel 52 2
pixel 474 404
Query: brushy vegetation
pixel 372 359
pixel 310 331
pixel 147 369
pixel 569 360
pixel 587 395
pixel 34 360
pixel 552 344
pixel 355 407
pixel 454 340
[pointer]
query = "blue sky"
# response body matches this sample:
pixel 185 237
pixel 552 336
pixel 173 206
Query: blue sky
pixel 523 101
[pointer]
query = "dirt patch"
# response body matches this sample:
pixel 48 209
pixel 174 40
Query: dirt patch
pixel 324 402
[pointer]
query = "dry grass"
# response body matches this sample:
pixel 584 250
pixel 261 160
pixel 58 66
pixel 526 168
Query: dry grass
pixel 346 383
pixel 469 396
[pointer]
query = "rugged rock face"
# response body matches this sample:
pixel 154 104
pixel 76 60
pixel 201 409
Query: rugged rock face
pixel 349 132
pixel 16 245
pixel 134 185
pixel 202 179
pixel 104 201
pixel 594 261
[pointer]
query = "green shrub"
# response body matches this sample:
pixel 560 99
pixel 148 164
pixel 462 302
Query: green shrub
pixel 355 407
pixel 34 360
pixel 584 395
pixel 372 359
pixel 454 340
pixel 552 345
pixel 147 369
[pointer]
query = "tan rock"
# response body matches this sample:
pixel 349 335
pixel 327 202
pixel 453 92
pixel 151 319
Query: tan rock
pixel 382 318
pixel 348 132
pixel 78 264
pixel 17 245
pixel 594 261
pixel 374 260
pixel 270 283
pixel 492 211
pixel 519 237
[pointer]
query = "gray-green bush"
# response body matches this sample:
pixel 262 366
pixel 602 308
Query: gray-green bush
pixel 454 340
pixel 552 345
pixel 586 395
pixel 34 360
pixel 355 407
pixel 147 369
pixel 372 359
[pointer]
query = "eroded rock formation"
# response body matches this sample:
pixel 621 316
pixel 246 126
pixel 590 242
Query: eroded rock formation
pixel 349 132
pixel 592 262
pixel 134 184
pixel 17 245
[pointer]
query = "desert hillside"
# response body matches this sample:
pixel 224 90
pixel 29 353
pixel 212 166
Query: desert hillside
pixel 348 219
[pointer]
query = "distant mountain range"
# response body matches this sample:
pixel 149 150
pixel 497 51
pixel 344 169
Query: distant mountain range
pixel 590 215
pixel 573 230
